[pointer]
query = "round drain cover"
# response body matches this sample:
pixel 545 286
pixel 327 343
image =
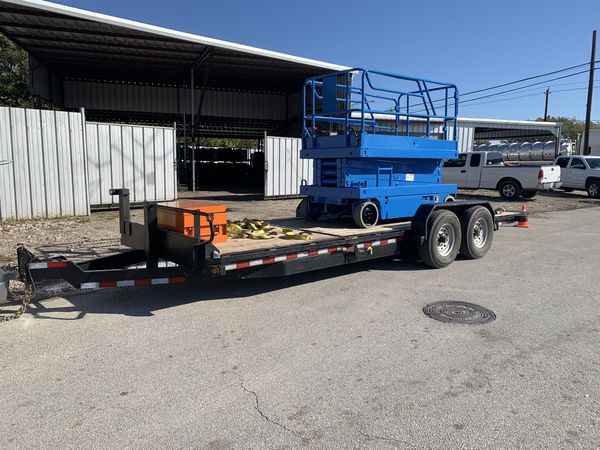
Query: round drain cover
pixel 459 312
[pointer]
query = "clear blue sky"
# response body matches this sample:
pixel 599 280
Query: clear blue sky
pixel 474 44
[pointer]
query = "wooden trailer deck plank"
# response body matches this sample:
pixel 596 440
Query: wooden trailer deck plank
pixel 321 231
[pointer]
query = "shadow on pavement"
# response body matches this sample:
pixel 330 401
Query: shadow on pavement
pixel 143 301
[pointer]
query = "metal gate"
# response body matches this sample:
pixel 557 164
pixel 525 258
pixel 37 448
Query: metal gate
pixel 284 170
pixel 139 158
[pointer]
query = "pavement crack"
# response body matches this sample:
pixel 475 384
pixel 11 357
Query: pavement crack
pixel 393 440
pixel 265 416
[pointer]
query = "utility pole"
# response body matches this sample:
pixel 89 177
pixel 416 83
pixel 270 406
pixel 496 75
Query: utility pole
pixel 546 107
pixel 588 112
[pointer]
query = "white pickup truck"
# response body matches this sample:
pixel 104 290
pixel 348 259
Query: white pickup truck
pixel 580 172
pixel 487 170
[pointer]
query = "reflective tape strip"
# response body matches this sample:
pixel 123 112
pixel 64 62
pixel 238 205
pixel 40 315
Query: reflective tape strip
pixel 323 251
pixel 130 283
pixel 48 265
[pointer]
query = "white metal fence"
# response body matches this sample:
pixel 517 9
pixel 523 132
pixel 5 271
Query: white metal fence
pixel 139 158
pixel 284 170
pixel 47 176
pixel 54 164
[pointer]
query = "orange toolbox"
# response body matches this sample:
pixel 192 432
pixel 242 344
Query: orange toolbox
pixel 184 223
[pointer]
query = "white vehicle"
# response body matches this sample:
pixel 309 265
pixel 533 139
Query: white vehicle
pixel 487 170
pixel 581 173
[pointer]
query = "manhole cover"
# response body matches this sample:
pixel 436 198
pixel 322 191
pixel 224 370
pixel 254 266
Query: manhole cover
pixel 459 312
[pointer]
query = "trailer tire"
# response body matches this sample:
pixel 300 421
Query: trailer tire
pixel 309 211
pixel 442 243
pixel 529 194
pixel 509 189
pixel 477 226
pixel 365 214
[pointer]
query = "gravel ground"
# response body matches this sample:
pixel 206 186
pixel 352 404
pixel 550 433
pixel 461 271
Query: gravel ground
pixel 84 237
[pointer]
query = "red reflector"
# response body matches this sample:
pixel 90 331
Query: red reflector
pixel 313 253
pixel 143 282
pixel 104 284
pixel 541 174
pixel 57 264
pixel 268 260
pixel 243 265
pixel 331 250
pixel 292 256
pixel 177 280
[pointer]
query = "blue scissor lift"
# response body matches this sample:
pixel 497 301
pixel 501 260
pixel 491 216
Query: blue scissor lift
pixel 377 141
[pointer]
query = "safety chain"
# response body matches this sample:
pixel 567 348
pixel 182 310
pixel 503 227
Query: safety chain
pixel 26 299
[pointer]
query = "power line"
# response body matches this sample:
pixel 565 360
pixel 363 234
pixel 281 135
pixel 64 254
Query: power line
pixel 461 102
pixel 527 79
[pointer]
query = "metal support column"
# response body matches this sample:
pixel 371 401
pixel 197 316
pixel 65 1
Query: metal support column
pixel 193 127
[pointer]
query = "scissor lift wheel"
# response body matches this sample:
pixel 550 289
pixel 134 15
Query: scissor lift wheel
pixel 365 214
pixel 308 210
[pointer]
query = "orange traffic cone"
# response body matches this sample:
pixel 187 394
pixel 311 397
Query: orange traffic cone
pixel 523 223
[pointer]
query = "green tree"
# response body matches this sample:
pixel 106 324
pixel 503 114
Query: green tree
pixel 14 75
pixel 571 126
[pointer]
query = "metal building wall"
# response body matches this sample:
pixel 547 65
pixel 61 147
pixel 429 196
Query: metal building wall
pixel 141 159
pixel 48 173
pixel 284 170
pixel 164 99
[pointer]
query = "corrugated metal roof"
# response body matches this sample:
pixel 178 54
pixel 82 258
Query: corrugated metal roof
pixel 80 44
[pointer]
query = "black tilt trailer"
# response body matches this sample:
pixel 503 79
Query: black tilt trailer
pixel 436 234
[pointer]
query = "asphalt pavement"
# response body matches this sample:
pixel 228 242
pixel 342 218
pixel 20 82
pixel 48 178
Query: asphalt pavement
pixel 342 358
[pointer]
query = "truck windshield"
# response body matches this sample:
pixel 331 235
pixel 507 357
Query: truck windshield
pixel 594 163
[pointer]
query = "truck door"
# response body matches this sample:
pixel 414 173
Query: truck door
pixel 455 171
pixel 577 173
pixel 474 170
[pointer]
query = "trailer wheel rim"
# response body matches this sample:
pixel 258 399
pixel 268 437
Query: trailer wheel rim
pixel 593 189
pixel 480 233
pixel 509 190
pixel 445 240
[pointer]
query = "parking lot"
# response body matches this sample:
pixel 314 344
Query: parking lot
pixel 340 358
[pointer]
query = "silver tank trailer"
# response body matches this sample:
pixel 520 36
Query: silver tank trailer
pixel 503 148
pixel 537 151
pixel 524 151
pixel 549 149
pixel 513 152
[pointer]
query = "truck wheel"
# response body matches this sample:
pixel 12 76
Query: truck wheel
pixel 442 243
pixel 509 189
pixel 308 210
pixel 365 214
pixel 529 194
pixel 477 226
pixel 593 189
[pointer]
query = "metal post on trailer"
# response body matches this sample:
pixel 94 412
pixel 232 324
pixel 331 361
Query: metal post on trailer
pixel 185 154
pixel 193 127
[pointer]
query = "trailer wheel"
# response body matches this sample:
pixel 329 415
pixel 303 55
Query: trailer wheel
pixel 442 243
pixel 477 232
pixel 365 214
pixel 308 210
pixel 529 194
